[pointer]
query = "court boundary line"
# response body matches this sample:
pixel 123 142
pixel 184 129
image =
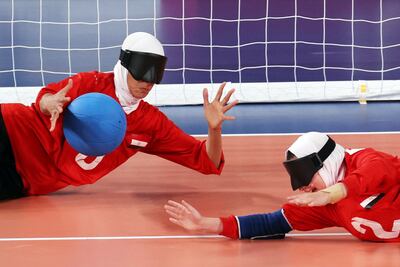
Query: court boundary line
pixel 290 134
pixel 92 238
pixel 88 238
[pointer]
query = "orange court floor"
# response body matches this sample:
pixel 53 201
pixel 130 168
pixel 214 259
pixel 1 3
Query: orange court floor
pixel 120 220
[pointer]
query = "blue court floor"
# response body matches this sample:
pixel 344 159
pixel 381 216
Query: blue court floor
pixel 295 118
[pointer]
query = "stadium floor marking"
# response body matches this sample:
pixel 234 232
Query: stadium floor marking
pixel 77 238
pixel 289 134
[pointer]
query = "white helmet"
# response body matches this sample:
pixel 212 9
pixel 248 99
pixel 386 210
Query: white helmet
pixel 143 56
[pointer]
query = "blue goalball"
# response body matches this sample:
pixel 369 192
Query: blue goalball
pixel 94 124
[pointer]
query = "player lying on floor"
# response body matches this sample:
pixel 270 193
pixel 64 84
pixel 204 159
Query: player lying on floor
pixel 36 159
pixel 356 189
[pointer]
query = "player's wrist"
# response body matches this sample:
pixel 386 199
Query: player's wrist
pixel 211 225
pixel 215 129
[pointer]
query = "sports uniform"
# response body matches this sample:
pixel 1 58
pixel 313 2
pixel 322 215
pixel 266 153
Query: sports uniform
pixel 36 160
pixel 47 163
pixel 371 210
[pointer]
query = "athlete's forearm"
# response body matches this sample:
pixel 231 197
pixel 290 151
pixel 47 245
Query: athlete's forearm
pixel 214 146
pixel 266 226
pixel 336 192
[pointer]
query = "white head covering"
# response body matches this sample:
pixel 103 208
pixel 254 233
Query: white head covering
pixel 140 42
pixel 333 168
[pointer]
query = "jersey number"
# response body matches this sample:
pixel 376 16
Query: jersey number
pixel 376 227
pixel 80 160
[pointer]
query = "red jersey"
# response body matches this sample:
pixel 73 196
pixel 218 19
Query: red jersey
pixel 47 163
pixel 368 174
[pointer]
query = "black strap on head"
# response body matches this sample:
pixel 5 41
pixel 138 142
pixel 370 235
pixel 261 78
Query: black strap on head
pixel 327 149
pixel 143 66
pixel 302 170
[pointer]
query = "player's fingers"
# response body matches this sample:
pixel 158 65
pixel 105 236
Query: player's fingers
pixel 229 118
pixel 53 120
pixel 293 201
pixel 300 203
pixel 228 96
pixel 306 201
pixel 299 196
pixel 297 200
pixel 175 221
pixel 179 210
pixel 205 97
pixel 66 88
pixel 291 197
pixel 220 91
pixel 172 209
pixel 290 200
pixel 230 105
pixel 65 100
pixel 172 214
pixel 189 207
pixel 174 203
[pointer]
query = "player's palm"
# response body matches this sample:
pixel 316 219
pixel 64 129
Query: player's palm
pixel 53 104
pixel 215 111
pixel 184 215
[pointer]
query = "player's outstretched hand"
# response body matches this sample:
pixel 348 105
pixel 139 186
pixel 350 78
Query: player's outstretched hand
pixel 52 105
pixel 215 111
pixel 184 215
pixel 319 198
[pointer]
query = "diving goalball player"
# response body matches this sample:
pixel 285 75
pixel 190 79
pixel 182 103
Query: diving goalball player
pixel 36 159
pixel 357 189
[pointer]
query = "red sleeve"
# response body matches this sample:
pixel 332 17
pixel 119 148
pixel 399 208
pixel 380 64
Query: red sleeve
pixel 230 227
pixel 83 83
pixel 370 172
pixel 310 218
pixel 171 143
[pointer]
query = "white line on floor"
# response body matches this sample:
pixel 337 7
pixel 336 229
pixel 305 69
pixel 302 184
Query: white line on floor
pixel 75 238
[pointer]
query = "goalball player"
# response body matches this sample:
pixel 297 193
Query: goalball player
pixel 357 189
pixel 36 159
